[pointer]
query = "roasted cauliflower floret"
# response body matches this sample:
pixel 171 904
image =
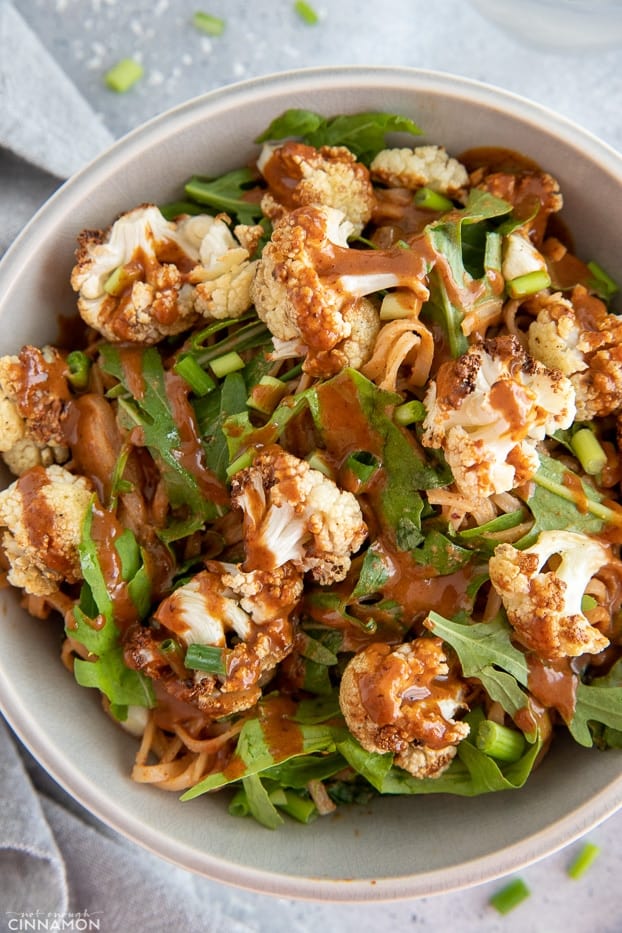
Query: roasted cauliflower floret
pixel 421 167
pixel 579 337
pixel 298 174
pixel 41 517
pixel 533 194
pixel 309 285
pixel 403 699
pixel 295 515
pixel 132 278
pixel 247 615
pixel 520 257
pixel 33 398
pixel 544 606
pixel 224 274
pixel 488 408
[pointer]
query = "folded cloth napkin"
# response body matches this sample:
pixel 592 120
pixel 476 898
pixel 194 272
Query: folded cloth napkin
pixel 43 138
pixel 59 863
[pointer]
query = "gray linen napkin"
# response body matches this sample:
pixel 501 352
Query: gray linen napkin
pixel 55 133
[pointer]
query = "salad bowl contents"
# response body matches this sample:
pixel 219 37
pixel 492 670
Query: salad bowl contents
pixel 319 500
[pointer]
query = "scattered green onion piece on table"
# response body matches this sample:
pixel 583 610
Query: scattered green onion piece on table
pixel 306 12
pixel 588 451
pixel 432 200
pixel 409 413
pixel 229 363
pixel 207 658
pixel 79 365
pixel 528 284
pixel 122 76
pixel 583 860
pixel 209 24
pixel 499 742
pixel 199 381
pixel 510 896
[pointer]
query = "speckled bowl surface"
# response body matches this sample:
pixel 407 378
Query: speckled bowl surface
pixel 395 848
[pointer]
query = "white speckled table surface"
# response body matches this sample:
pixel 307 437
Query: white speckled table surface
pixel 84 38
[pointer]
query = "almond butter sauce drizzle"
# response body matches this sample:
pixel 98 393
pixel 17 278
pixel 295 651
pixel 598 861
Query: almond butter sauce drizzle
pixel 40 519
pixel 190 451
pixel 105 529
pixel 281 734
pixel 40 378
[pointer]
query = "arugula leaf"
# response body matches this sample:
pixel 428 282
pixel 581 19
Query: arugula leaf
pixel 442 553
pixel 297 772
pixel 470 774
pixel 123 687
pixel 404 469
pixel 460 250
pixel 481 644
pixel 599 704
pixel 226 193
pixel 364 134
pixel 151 411
pixel 256 753
pixel 373 766
pixel 107 671
pixel 229 400
pixel 503 688
pixel 373 575
pixel 561 499
pixel 259 804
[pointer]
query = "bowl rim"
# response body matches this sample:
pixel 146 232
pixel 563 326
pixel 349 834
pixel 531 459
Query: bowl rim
pixel 14 263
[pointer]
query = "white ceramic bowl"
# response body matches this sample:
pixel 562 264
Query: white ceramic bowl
pixel 395 848
pixel 560 25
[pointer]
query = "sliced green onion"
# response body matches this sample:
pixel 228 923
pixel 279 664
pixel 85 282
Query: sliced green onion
pixel 229 363
pixel 300 808
pixel 278 797
pixel 528 284
pixel 306 12
pixel 588 451
pixel 602 281
pixel 239 804
pixel 588 602
pixel 317 461
pixel 363 464
pixel 207 658
pixel 240 463
pixel 199 381
pixel 291 373
pixel 209 24
pixel 123 75
pixel 173 653
pixel 499 742
pixel 397 305
pixel 510 896
pixel 409 413
pixel 79 365
pixel 583 860
pixel 266 394
pixel 432 200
